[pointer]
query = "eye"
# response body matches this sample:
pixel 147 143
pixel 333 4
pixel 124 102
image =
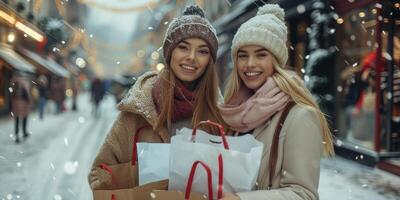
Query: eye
pixel 204 51
pixel 182 47
pixel 262 55
pixel 242 55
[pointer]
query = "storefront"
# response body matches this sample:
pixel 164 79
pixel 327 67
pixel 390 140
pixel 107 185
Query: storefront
pixel 368 81
pixel 10 61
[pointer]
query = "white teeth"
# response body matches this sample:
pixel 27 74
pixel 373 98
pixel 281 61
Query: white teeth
pixel 252 73
pixel 188 67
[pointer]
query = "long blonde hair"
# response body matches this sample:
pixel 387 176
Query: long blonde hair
pixel 206 98
pixel 292 86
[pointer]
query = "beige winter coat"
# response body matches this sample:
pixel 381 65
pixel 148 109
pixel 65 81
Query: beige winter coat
pixel 299 153
pixel 137 110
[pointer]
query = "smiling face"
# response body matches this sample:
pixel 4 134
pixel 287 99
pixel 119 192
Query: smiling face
pixel 189 59
pixel 254 65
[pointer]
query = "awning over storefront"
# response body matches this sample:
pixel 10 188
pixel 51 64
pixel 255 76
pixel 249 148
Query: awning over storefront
pixel 52 68
pixel 14 60
pixel 60 70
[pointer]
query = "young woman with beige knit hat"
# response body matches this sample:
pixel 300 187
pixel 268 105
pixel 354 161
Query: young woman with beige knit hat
pixel 182 94
pixel 264 99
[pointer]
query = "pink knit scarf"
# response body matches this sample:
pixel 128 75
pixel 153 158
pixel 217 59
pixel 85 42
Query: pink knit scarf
pixel 245 112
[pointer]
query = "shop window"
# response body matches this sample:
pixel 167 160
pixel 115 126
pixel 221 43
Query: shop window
pixel 355 64
pixel 357 69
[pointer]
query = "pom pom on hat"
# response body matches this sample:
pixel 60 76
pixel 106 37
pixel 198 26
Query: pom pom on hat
pixel 267 29
pixel 272 9
pixel 194 10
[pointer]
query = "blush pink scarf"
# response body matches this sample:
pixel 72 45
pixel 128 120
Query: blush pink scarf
pixel 245 112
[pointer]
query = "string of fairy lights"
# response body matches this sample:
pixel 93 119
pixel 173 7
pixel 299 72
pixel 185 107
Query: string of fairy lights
pixel 90 43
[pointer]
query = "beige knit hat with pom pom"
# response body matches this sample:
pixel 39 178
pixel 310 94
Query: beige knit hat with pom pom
pixel 266 29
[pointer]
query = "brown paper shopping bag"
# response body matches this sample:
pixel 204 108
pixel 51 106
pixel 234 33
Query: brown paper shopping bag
pixel 188 194
pixel 125 180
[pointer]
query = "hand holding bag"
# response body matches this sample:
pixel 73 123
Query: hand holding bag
pixel 125 180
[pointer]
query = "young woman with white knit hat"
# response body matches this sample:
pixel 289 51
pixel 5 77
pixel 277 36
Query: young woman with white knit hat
pixel 264 99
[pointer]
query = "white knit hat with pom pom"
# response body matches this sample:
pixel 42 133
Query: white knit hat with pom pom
pixel 266 29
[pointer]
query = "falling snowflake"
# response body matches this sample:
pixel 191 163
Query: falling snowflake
pixel 63 42
pixel 91 35
pixel 339 88
pixel 118 62
pixel 66 141
pixel 70 167
pixel 9 196
pixel 389 95
pixel 52 166
pixel 387 56
pixel 301 9
pixel 150 28
pixel 306 78
pixel 355 64
pixel 307 57
pixel 337 48
pixel 19 164
pixel 57 197
pixel 166 22
pixel 25 35
pixel 81 120
pixel 10 89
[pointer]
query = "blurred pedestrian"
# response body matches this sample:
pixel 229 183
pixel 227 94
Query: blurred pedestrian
pixel 42 85
pixel 75 90
pixel 58 93
pixel 184 93
pixel 258 92
pixel 21 103
pixel 97 94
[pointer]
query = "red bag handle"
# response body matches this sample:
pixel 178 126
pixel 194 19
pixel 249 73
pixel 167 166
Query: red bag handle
pixel 109 170
pixel 209 178
pixel 134 157
pixel 221 132
pixel 135 140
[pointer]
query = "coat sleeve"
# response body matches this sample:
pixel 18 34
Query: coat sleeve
pixel 110 153
pixel 302 152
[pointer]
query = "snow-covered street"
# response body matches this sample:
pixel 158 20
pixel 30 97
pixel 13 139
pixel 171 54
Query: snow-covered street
pixel 54 161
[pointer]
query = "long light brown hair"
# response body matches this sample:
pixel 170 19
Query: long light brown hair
pixel 206 98
pixel 292 86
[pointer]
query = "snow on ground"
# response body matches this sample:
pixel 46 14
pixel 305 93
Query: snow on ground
pixel 53 163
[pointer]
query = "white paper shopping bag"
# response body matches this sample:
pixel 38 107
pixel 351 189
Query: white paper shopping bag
pixel 241 155
pixel 153 159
